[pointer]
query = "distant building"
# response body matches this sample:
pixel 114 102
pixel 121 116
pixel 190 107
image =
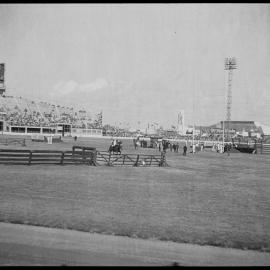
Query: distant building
pixel 244 128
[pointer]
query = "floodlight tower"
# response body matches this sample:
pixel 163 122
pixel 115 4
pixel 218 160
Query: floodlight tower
pixel 230 65
pixel 2 79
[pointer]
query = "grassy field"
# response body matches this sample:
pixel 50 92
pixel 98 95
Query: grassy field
pixel 207 198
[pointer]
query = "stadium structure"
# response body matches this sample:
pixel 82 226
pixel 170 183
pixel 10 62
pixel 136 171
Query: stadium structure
pixel 27 117
pixel 23 116
pixel 236 128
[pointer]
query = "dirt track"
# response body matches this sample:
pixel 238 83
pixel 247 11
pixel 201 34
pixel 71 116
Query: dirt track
pixel 31 245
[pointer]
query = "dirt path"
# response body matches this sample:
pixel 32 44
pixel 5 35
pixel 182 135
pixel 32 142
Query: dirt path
pixel 31 245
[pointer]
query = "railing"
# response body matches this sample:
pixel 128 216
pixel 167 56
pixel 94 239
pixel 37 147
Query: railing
pixel 106 158
pixel 265 149
pixel 78 156
pixel 30 157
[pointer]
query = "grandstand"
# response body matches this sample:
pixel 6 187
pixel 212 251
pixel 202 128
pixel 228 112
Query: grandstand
pixel 237 129
pixel 23 116
pixel 244 128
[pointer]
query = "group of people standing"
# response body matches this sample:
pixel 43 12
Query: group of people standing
pixel 172 146
pixel 164 145
pixel 219 148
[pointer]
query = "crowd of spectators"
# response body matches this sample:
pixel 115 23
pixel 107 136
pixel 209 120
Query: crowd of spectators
pixel 44 114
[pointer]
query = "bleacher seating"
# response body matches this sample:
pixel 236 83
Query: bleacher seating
pixel 24 112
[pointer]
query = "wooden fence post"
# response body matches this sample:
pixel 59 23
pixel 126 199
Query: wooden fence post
pixel 30 157
pixel 83 155
pixel 73 148
pixel 62 158
pixel 109 162
pixel 137 161
pixel 261 147
pixel 93 158
pixel 161 159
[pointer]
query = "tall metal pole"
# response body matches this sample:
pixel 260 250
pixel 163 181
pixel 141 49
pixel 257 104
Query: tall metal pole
pixel 223 140
pixel 193 137
pixel 230 64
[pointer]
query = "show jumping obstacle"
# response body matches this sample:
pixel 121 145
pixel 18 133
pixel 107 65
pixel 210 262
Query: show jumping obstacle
pixel 79 155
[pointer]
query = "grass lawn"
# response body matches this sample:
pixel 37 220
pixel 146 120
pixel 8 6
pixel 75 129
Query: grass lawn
pixel 207 198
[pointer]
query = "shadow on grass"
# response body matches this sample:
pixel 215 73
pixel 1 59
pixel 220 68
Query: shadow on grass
pixel 226 244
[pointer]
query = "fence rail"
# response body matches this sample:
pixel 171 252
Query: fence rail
pixel 81 156
pixel 105 158
pixel 265 149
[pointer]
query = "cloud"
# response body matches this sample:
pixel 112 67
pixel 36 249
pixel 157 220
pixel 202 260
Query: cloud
pixel 93 86
pixel 62 89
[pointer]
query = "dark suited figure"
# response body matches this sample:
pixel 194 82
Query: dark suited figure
pixel 185 150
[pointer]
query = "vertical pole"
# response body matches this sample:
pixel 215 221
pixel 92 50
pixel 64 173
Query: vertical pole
pixel 193 138
pixel 73 148
pixel 62 158
pixel 137 161
pixel 30 157
pixel 83 155
pixel 223 141
pixel 109 162
pixel 229 101
pixel 230 64
pixel 95 158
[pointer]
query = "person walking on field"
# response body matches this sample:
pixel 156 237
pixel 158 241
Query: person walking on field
pixel 185 150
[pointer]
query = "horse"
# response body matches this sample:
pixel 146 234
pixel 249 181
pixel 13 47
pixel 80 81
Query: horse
pixel 115 148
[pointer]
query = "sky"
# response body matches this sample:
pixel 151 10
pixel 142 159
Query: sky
pixel 140 62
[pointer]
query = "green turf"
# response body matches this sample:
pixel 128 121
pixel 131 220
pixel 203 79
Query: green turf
pixel 208 198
